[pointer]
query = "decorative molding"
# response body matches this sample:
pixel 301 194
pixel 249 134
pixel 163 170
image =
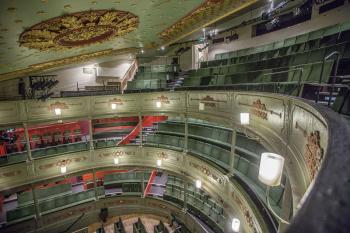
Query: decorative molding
pixel 313 153
pixel 260 110
pixel 78 29
pixel 208 101
pixel 246 212
pixel 57 104
pixel 206 171
pixel 299 127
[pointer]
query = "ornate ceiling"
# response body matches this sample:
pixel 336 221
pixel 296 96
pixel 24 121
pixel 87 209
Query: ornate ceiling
pixel 40 34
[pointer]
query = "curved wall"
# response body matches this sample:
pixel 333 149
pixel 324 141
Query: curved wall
pixel 298 130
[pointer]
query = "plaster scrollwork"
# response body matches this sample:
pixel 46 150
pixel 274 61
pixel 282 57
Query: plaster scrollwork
pixel 79 29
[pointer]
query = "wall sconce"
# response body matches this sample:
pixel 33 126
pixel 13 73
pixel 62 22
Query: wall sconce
pixel 198 184
pixel 235 224
pixel 116 160
pixel 63 169
pixel 58 111
pixel 270 173
pixel 271 169
pixel 244 117
pixel 114 106
pixel 158 104
pixel 201 106
pixel 159 162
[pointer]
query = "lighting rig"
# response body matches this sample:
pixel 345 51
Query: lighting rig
pixel 41 85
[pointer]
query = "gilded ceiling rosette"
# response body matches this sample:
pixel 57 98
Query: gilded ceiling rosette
pixel 79 29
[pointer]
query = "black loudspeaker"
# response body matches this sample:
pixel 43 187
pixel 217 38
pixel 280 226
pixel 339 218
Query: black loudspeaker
pixel 104 214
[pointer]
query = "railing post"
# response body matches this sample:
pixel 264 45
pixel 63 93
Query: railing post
pixel 95 184
pixel 141 130
pixel 26 134
pixel 286 207
pixel 36 206
pixel 232 153
pixel 185 187
pixel 91 141
pixel 186 135
pixel 143 184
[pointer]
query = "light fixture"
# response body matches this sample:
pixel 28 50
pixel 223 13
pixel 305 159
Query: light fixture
pixel 142 51
pixel 203 29
pixel 244 117
pixel 158 104
pixel 235 224
pixel 159 162
pixel 271 169
pixel 162 48
pixel 201 106
pixel 198 184
pixel 116 160
pixel 270 173
pixel 114 106
pixel 63 169
pixel 58 111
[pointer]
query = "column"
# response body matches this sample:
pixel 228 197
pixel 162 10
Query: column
pixel 186 135
pixel 95 184
pixel 26 135
pixel 232 154
pixel 185 195
pixel 36 206
pixel 143 184
pixel 286 206
pixel 90 135
pixel 141 133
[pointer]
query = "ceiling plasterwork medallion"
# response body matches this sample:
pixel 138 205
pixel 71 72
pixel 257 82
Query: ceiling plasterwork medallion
pixel 79 29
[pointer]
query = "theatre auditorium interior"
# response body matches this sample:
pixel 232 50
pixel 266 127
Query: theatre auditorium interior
pixel 179 116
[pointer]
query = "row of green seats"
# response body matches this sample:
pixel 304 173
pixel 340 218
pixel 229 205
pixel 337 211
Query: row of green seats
pixel 248 171
pixel 314 72
pixel 26 198
pixel 60 149
pixel 121 177
pixel 215 134
pixel 167 141
pixel 131 188
pixel 296 59
pixel 51 205
pixel 13 158
pixel 158 68
pixel 146 84
pixel 152 76
pixel 311 36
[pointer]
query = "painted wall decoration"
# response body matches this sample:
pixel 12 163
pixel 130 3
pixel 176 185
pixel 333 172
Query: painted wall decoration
pixel 260 109
pixel 206 171
pixel 79 29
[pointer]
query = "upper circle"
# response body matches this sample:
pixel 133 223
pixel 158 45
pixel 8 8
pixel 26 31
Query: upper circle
pixel 78 29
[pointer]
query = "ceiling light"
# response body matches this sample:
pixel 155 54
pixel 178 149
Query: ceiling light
pixel 114 106
pixel 271 169
pixel 63 169
pixel 244 117
pixel 201 106
pixel 198 184
pixel 58 111
pixel 158 104
pixel 116 160
pixel 235 224
pixel 159 162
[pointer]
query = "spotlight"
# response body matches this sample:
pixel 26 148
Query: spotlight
pixel 271 169
pixel 116 160
pixel 158 104
pixel 114 106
